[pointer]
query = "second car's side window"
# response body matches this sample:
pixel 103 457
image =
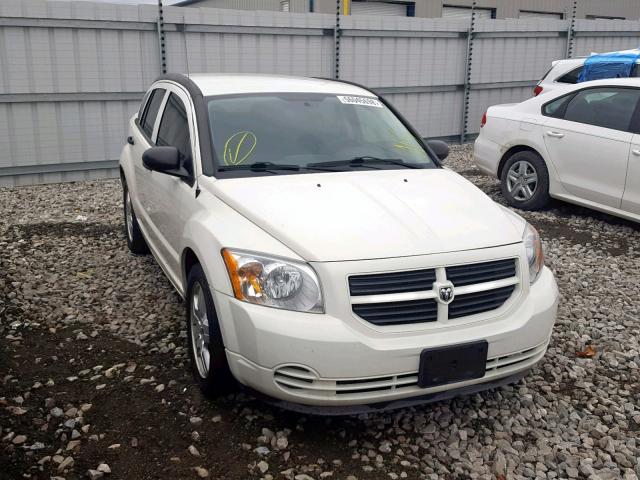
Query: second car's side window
pixel 150 114
pixel 174 130
pixel 571 76
pixel 604 107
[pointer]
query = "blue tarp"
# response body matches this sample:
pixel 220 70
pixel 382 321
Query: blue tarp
pixel 609 65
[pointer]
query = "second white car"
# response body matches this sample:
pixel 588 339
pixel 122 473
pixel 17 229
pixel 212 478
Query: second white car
pixel 580 144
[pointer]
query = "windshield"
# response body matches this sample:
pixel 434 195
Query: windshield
pixel 307 133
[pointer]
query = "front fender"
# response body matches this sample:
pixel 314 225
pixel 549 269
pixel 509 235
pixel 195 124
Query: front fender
pixel 216 226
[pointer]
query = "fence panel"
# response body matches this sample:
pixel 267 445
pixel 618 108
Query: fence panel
pixel 605 36
pixel 72 73
pixel 231 41
pixel 417 64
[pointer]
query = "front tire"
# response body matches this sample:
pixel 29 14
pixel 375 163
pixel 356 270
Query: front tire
pixel 525 181
pixel 206 348
pixel 135 240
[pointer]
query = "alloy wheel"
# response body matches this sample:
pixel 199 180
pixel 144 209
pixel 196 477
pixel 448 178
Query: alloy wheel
pixel 522 180
pixel 128 209
pixel 200 330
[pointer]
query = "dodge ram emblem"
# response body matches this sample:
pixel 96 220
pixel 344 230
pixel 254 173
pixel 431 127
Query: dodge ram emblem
pixel 446 294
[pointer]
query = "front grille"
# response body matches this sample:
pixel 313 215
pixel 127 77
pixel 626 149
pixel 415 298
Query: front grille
pixel 478 302
pixel 478 288
pixel 462 275
pixel 395 282
pixel 394 313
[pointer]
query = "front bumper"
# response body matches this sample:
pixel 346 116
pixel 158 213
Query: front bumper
pixel 321 360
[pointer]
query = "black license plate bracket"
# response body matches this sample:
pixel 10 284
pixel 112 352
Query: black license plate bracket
pixel 451 364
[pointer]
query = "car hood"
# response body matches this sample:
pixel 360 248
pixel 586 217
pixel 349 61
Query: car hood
pixel 371 214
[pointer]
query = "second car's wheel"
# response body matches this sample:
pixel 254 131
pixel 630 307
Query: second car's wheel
pixel 135 240
pixel 206 347
pixel 525 181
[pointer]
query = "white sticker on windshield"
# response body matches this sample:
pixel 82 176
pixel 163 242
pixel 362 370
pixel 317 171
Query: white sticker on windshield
pixel 366 101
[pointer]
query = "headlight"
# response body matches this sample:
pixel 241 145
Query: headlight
pixel 535 255
pixel 273 282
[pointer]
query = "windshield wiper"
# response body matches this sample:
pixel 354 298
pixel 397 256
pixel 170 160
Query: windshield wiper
pixel 365 161
pixel 260 167
pixel 273 167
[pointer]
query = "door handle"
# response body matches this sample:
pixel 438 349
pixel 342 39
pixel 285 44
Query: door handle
pixel 636 152
pixel 130 141
pixel 551 133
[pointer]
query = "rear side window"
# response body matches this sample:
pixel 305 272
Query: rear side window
pixel 606 107
pixel 557 108
pixel 546 73
pixel 174 130
pixel 148 119
pixel 572 76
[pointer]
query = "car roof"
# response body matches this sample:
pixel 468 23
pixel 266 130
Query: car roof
pixel 625 82
pixel 568 61
pixel 566 88
pixel 581 59
pixel 229 84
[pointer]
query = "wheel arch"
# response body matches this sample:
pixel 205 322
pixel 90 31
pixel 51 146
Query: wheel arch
pixel 515 149
pixel 189 259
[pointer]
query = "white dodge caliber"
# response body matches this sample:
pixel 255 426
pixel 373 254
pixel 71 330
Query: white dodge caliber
pixel 327 259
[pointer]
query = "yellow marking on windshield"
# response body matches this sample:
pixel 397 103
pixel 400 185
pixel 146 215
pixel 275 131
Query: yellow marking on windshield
pixel 406 143
pixel 239 147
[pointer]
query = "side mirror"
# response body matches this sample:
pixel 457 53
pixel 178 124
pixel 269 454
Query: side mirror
pixel 440 148
pixel 164 160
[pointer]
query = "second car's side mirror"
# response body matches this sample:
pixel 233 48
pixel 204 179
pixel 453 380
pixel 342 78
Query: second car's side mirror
pixel 440 148
pixel 164 160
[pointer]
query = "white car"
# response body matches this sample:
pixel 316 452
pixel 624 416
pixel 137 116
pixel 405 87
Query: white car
pixel 580 144
pixel 566 72
pixel 326 258
pixel 562 73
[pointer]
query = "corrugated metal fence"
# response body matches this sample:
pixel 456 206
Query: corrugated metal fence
pixel 71 73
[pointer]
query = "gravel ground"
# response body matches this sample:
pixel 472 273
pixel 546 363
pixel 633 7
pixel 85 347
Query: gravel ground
pixel 95 380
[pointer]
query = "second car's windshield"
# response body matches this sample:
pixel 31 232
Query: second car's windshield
pixel 310 132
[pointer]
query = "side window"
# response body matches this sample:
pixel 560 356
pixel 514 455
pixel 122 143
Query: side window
pixel 143 104
pixel 174 130
pixel 151 111
pixel 557 108
pixel 572 76
pixel 604 107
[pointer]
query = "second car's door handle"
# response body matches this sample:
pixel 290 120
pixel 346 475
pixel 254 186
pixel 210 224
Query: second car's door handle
pixel 636 152
pixel 551 133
